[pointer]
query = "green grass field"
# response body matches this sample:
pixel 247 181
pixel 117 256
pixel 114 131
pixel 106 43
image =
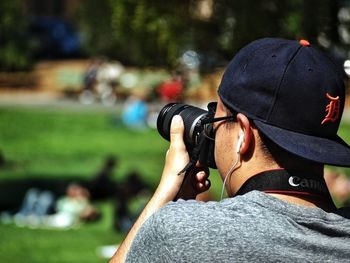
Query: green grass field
pixel 57 143
pixel 44 142
pixel 63 143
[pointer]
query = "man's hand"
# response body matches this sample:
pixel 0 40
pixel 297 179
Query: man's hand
pixel 173 185
pixel 195 183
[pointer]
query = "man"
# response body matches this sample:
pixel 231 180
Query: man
pixel 283 101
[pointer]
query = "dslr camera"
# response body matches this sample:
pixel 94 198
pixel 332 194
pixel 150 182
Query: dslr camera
pixel 198 134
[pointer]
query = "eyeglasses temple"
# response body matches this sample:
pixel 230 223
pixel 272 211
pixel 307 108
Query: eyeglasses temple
pixel 211 120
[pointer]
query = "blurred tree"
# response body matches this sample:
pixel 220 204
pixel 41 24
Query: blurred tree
pixel 15 47
pixel 136 32
pixel 155 32
pixel 240 22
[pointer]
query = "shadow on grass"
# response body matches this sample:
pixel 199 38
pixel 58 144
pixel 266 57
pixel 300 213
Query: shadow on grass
pixel 12 192
pixel 128 197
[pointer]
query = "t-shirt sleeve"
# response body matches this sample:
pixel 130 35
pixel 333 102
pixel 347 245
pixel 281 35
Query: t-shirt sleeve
pixel 149 243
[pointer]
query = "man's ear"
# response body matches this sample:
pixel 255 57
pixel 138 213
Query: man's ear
pixel 245 134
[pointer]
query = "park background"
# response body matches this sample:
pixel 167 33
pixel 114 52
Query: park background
pixel 50 135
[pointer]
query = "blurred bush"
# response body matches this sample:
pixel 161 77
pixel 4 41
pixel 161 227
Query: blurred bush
pixel 152 33
pixel 157 32
pixel 136 32
pixel 15 45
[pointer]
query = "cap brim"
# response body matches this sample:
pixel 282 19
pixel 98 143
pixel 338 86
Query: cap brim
pixel 321 150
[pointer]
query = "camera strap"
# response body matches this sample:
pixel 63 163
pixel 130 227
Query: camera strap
pixel 290 182
pixel 195 156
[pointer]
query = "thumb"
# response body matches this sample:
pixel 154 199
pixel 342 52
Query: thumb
pixel 176 132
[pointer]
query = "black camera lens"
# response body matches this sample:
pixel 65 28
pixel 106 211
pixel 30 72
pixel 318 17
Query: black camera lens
pixel 197 139
pixel 191 117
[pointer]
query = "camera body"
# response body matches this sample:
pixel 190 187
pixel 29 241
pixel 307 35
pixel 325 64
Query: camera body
pixel 198 134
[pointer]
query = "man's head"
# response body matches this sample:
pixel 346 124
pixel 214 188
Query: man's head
pixel 293 94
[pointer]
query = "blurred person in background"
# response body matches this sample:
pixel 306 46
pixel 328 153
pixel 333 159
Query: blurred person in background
pixel 73 208
pixel 135 111
pixel 173 89
pixel 36 205
pixel 40 208
pixel 102 186
pixel 131 192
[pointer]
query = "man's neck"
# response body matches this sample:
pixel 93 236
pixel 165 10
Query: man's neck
pixel 305 201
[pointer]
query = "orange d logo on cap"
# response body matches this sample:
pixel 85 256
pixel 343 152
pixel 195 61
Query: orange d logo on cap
pixel 332 109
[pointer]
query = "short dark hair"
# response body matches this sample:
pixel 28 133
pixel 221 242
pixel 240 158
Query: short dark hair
pixel 285 159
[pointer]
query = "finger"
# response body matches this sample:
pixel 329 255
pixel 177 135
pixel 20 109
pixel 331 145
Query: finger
pixel 207 184
pixel 201 176
pixel 176 132
pixel 203 186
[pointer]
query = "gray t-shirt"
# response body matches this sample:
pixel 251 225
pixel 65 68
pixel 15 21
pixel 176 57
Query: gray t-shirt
pixel 254 227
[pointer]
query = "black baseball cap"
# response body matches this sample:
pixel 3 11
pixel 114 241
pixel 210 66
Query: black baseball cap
pixel 294 94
